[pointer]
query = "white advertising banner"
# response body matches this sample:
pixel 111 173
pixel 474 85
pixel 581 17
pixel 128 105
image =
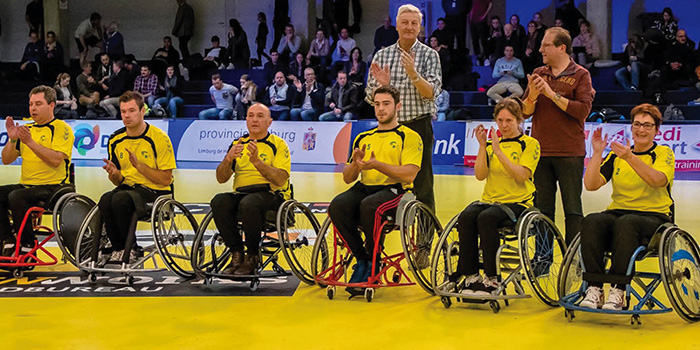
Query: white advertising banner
pixel 309 142
pixel 92 136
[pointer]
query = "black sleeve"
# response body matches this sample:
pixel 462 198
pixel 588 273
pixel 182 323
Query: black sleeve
pixel 607 168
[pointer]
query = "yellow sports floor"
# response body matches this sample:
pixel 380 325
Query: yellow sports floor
pixel 397 318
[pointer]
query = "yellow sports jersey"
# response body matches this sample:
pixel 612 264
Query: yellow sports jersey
pixel 273 151
pixel 398 146
pixel 56 135
pixel 630 192
pixel 152 148
pixel 500 186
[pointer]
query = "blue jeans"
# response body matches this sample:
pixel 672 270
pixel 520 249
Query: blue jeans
pixel 332 117
pixel 441 116
pixel 622 76
pixel 171 104
pixel 299 114
pixel 280 115
pixel 216 113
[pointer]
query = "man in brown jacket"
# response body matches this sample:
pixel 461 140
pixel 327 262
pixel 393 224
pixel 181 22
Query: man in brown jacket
pixel 559 96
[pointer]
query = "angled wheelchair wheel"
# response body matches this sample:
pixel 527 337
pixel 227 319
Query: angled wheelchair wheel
pixel 542 250
pixel 420 230
pixel 298 230
pixel 571 273
pixel 209 253
pixel 68 215
pixel 92 240
pixel 445 257
pixel 679 262
pixel 174 229
pixel 324 251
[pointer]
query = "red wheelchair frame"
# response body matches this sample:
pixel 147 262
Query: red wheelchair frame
pixel 18 263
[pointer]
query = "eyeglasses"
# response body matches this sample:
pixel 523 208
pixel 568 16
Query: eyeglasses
pixel 647 126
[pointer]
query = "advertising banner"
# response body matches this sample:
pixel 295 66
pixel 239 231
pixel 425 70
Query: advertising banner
pixel 92 136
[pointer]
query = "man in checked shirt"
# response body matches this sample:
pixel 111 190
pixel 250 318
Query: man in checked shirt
pixel 147 85
pixel 414 69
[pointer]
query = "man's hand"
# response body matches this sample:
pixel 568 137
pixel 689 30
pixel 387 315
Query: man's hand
pixel 622 151
pixel 25 135
pixel 12 128
pixel 598 141
pixel 133 160
pixel 235 151
pixel 298 84
pixel 370 163
pixel 359 154
pixel 383 75
pixel 337 111
pixel 331 105
pixel 542 86
pixel 409 63
pixel 110 167
pixel 253 151
pixel 534 90
pixel 273 101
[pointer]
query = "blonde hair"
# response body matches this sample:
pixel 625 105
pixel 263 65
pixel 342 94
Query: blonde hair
pixel 410 9
pixel 61 77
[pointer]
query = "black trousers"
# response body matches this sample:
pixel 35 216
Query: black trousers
pixel 183 43
pixel 620 232
pixel 480 35
pixel 480 223
pixel 568 173
pixel 424 182
pixel 249 209
pixel 364 206
pixel 121 208
pixel 15 200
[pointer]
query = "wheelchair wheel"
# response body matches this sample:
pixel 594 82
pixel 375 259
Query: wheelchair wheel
pixel 68 214
pixel 92 240
pixel 679 262
pixel 445 256
pixel 174 228
pixel 420 230
pixel 571 273
pixel 542 249
pixel 209 253
pixel 320 256
pixel 298 229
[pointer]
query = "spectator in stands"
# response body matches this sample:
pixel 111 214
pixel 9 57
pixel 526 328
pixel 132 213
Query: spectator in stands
pixel 88 34
pixel 510 39
pixel 385 35
pixel 518 29
pixel 103 71
pixel 168 53
pixel 697 74
pixel 289 44
pixel 30 66
pixel 172 84
pixel 508 70
pixel 344 102
pixel 678 70
pixel 445 36
pixel 273 66
pixel 114 41
pixel 586 46
pixel 147 85
pixel 88 87
pixel 558 22
pixel 668 25
pixel 216 54
pixel 34 16
pixel 222 95
pixel 633 64
pixel 443 104
pixel 117 83
pixel 261 37
pixel 132 67
pixel 238 51
pixel 319 50
pixel 478 26
pixel 343 47
pixel 309 97
pixel 53 55
pixel 183 28
pixel 537 18
pixel 280 97
pixel 356 67
pixel 494 40
pixel 296 68
pixel 245 97
pixel 442 52
pixel 533 57
pixel 66 103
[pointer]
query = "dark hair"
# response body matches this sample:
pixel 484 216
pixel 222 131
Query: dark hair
pixel 588 24
pixel 237 29
pixel 102 54
pixel 388 89
pixel 216 76
pixel 263 16
pixel 85 64
pixel 512 105
pixel 441 19
pixel 342 72
pixel 167 38
pixel 215 38
pixel 561 37
pixel 356 48
pixel 132 96
pixel 49 93
pixel 50 32
pixel 648 109
pixel 33 32
pixel 669 11
pixel 95 16
pixel 119 63
pixel 289 25
pixel 274 51
pixel 496 17
pixel 516 16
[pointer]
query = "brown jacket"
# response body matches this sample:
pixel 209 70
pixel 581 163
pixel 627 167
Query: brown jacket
pixel 561 133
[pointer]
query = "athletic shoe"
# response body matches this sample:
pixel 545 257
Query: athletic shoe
pixel 8 249
pixel 488 287
pixel 472 284
pixel 116 256
pixel 361 269
pixel 236 261
pixel 616 300
pixel 594 298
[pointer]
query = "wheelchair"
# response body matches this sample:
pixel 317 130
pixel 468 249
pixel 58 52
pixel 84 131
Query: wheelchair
pixel 418 227
pixel 531 249
pixel 290 231
pixel 679 272
pixel 172 229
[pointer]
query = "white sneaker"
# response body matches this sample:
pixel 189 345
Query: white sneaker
pixel 470 282
pixel 594 298
pixel 489 286
pixel 616 300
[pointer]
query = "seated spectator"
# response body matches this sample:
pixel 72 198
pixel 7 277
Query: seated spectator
pixel 309 97
pixel 533 57
pixel 30 67
pixel 88 34
pixel 114 41
pixel 668 26
pixel 586 46
pixel 88 87
pixel 443 104
pixel 289 44
pixel 445 36
pixel 678 70
pixel 117 84
pixel 133 68
pixel 443 53
pixel 296 68
pixel 356 67
pixel 222 95
pixel 280 97
pixel 172 84
pixel 273 66
pixel 245 98
pixel 216 53
pixel 103 71
pixel 494 40
pixel 633 64
pixel 541 27
pixel 344 102
pixel 319 50
pixel 345 44
pixel 385 36
pixel 510 39
pixel 168 53
pixel 147 85
pixel 66 103
pixel 507 70
pixel 214 57
pixel 558 22
pixel 53 56
pixel 238 51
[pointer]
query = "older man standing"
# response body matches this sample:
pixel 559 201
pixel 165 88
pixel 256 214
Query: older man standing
pixel 414 69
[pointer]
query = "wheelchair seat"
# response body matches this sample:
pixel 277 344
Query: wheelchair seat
pixel 49 204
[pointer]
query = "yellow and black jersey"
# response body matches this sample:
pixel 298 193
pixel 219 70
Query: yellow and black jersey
pixel 500 186
pixel 630 192
pixel 153 148
pixel 56 135
pixel 398 146
pixel 273 151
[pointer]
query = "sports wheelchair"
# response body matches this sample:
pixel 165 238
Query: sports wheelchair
pixel 290 231
pixel 679 272
pixel 535 257
pixel 172 230
pixel 419 228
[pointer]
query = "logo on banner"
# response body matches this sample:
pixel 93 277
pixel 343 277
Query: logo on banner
pixel 617 136
pixel 86 138
pixel 696 145
pixel 309 143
